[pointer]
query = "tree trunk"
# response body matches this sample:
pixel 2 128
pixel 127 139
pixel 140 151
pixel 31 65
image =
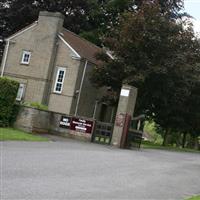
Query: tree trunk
pixel 184 140
pixel 196 142
pixel 165 139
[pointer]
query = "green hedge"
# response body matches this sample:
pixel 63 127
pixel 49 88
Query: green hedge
pixel 8 92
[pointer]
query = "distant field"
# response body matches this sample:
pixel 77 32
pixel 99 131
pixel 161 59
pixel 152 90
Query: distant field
pixel 13 134
pixel 151 145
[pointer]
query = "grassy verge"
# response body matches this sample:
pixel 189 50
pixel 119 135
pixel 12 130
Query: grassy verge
pixel 194 198
pixel 13 134
pixel 150 145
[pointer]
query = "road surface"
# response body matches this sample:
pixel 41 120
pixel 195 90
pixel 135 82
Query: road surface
pixel 70 170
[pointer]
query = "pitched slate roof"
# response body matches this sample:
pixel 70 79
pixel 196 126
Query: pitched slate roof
pixel 83 47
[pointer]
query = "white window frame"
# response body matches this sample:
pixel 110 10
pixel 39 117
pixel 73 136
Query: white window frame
pixel 23 57
pixel 20 92
pixel 58 82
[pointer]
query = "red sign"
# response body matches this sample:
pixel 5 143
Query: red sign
pixel 81 125
pixel 119 121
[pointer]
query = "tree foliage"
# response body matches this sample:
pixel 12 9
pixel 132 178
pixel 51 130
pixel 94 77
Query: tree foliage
pixel 160 56
pixel 171 8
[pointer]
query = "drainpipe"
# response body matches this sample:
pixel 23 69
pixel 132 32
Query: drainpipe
pixel 80 89
pixel 95 109
pixel 5 58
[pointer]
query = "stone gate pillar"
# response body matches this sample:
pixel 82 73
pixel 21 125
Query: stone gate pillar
pixel 125 108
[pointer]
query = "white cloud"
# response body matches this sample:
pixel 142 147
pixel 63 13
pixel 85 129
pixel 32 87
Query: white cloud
pixel 192 1
pixel 196 24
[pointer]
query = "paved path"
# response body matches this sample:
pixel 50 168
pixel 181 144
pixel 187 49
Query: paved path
pixel 70 170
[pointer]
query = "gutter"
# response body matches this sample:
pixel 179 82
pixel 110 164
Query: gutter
pixel 95 109
pixel 80 89
pixel 5 57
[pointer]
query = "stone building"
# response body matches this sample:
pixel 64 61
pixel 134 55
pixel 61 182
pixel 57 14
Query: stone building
pixel 52 66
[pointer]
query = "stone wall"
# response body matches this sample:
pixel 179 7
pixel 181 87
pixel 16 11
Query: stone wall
pixel 33 120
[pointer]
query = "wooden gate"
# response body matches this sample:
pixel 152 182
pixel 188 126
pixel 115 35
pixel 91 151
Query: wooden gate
pixel 102 133
pixel 135 132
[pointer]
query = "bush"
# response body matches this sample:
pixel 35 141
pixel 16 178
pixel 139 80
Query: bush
pixel 8 93
pixel 36 105
pixel 39 106
pixel 14 114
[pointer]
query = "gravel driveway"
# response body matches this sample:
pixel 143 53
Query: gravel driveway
pixel 69 169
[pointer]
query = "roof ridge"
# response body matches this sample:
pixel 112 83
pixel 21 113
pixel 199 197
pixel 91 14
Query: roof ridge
pixel 83 39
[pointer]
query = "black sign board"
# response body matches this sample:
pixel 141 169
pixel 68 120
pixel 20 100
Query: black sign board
pixel 81 125
pixel 65 122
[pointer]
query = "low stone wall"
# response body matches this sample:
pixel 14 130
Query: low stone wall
pixel 39 121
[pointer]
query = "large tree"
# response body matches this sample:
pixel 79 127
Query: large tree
pixel 157 54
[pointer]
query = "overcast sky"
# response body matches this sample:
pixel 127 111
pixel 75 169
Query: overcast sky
pixel 193 8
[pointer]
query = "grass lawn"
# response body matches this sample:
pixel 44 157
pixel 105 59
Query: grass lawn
pixel 194 198
pixel 151 145
pixel 13 134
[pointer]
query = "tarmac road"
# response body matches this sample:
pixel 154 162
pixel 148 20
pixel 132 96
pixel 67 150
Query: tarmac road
pixel 67 169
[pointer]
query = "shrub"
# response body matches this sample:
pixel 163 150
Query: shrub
pixel 36 105
pixel 8 92
pixel 15 111
pixel 39 106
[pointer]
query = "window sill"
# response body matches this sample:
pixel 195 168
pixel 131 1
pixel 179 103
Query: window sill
pixel 58 93
pixel 24 63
